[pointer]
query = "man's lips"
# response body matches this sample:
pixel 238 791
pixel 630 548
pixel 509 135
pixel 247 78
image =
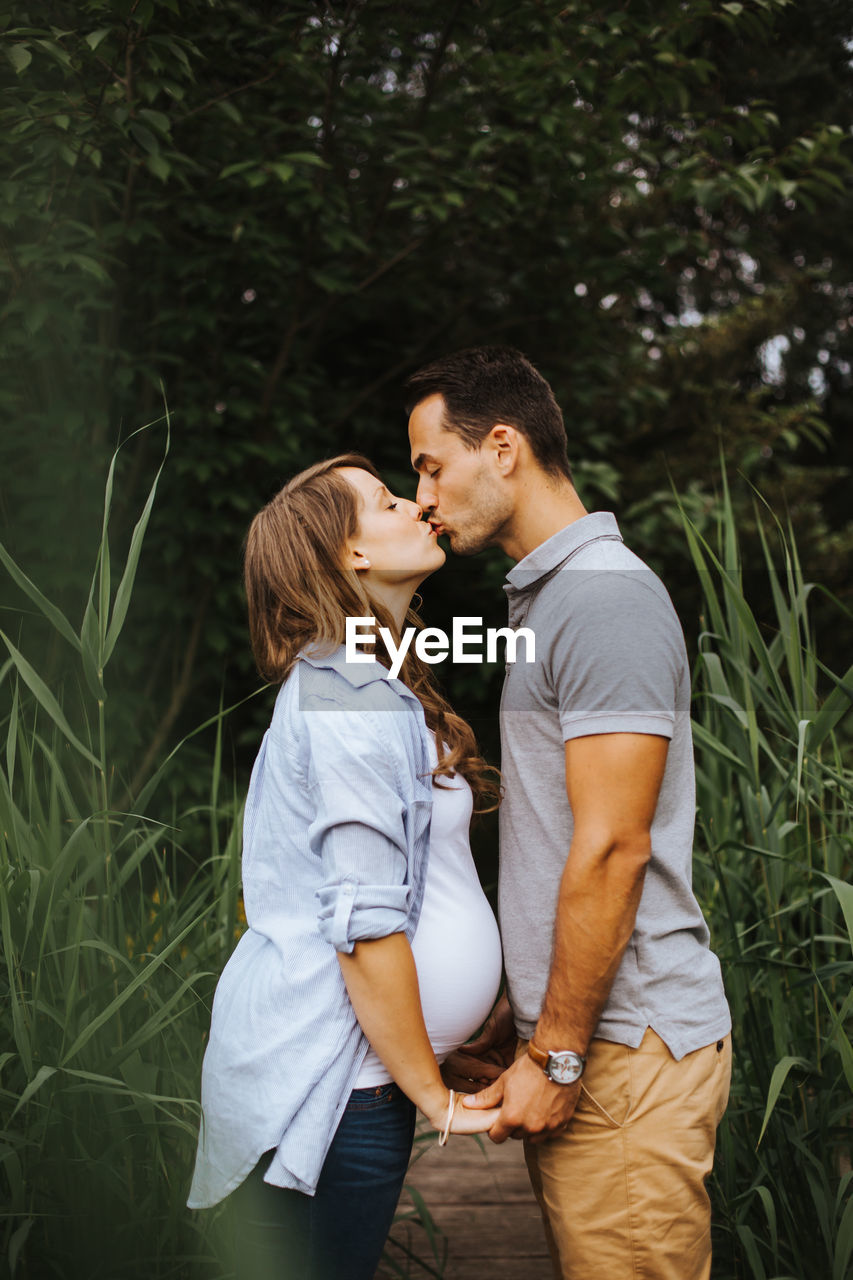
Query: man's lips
pixel 436 526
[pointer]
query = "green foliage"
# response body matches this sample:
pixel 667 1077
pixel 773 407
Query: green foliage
pixel 110 948
pixel 279 210
pixel 775 842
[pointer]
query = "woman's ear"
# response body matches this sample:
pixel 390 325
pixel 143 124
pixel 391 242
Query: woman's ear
pixel 357 559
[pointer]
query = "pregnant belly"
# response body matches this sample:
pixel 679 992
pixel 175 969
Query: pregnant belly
pixel 457 953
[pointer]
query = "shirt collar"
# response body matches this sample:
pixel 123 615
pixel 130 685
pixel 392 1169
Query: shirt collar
pixel 357 673
pixel 560 547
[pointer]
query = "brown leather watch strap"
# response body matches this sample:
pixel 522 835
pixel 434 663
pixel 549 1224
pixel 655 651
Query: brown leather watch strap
pixel 538 1056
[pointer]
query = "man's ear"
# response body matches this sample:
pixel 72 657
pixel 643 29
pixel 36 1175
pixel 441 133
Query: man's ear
pixel 506 443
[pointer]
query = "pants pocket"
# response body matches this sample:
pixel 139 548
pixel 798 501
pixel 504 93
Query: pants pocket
pixel 606 1093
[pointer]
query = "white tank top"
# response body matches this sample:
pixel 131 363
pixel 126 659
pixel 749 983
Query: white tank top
pixel 456 947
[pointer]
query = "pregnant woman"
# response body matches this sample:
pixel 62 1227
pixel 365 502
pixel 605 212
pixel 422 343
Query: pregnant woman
pixel 371 951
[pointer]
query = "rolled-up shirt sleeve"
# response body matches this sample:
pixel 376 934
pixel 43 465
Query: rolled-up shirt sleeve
pixel 359 827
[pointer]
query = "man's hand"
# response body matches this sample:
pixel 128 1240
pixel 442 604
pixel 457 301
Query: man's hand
pixel 467 1075
pixel 483 1060
pixel 532 1106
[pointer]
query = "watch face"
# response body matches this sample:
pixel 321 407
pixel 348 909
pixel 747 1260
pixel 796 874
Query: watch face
pixel 565 1067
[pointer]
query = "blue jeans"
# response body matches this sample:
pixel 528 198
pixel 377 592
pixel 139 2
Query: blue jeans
pixel 338 1233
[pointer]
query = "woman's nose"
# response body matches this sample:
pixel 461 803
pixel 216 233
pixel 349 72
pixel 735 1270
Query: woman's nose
pixel 417 510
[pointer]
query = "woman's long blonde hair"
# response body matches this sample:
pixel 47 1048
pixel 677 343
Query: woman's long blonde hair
pixel 300 592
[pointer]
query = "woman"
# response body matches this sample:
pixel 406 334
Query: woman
pixel 371 951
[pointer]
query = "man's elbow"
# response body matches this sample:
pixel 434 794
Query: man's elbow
pixel 635 847
pixel 626 850
pixel 609 862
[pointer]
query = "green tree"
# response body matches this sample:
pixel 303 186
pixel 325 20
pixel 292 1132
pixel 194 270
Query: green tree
pixel 279 210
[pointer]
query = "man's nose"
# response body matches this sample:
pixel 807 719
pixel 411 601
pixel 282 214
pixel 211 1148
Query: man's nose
pixel 425 496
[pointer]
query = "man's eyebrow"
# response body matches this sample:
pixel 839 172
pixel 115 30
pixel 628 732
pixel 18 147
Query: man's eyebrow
pixel 421 459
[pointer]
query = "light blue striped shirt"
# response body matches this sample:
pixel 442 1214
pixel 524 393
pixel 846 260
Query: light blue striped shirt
pixel 335 849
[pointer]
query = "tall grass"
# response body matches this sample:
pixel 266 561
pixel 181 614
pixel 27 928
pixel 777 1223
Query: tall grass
pixel 109 950
pixel 775 853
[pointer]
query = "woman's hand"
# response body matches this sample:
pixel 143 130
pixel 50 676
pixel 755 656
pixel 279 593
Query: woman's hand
pixel 464 1121
pixel 462 1118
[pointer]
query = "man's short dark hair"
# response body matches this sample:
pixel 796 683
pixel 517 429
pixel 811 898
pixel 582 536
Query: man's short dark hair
pixel 486 385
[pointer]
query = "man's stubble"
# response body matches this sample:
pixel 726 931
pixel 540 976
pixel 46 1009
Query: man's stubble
pixel 485 520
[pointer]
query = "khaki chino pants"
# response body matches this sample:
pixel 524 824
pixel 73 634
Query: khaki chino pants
pixel 622 1191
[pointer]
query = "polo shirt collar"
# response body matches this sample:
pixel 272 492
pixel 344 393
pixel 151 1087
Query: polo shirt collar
pixel 560 547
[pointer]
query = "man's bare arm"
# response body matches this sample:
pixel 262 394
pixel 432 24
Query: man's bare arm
pixel 612 782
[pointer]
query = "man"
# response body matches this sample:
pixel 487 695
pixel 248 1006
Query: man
pixel 622 1062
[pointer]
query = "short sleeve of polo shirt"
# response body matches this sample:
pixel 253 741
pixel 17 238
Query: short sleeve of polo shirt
pixel 617 654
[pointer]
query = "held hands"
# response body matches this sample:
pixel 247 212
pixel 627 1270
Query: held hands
pixel 519 1098
pixel 462 1121
pixel 531 1105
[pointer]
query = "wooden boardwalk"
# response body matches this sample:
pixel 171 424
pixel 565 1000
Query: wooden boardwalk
pixel 479 1197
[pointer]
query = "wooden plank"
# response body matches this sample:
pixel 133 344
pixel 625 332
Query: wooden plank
pixel 479 1197
pixel 477 1231
pixel 464 1172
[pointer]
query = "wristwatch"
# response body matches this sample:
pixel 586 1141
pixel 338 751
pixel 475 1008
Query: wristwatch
pixel 562 1066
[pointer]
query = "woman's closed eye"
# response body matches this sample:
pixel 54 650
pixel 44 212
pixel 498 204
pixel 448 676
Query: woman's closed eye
pixel 392 506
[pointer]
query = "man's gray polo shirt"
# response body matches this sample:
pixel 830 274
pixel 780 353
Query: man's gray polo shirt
pixel 610 658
